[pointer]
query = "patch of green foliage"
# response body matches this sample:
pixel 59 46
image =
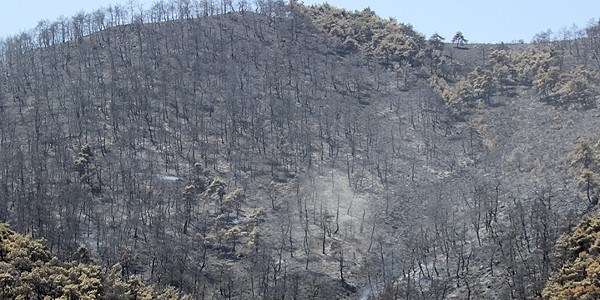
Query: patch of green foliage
pixel 585 161
pixel 536 68
pixel 29 271
pixel 579 275
pixel 390 42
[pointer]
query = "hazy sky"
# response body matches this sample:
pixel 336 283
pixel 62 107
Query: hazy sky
pixel 479 20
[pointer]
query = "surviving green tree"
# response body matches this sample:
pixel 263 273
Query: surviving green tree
pixel 459 39
pixel 585 161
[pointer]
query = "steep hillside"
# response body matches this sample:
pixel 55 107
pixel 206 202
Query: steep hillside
pixel 280 150
pixel 528 130
pixel 120 137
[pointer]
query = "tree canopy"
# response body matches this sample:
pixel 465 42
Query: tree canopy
pixel 459 39
pixel 388 40
pixel 29 271
pixel 579 275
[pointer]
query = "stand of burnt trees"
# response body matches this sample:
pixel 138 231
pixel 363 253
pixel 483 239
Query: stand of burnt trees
pixel 115 127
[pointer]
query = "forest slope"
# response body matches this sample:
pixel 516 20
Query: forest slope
pixel 289 152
